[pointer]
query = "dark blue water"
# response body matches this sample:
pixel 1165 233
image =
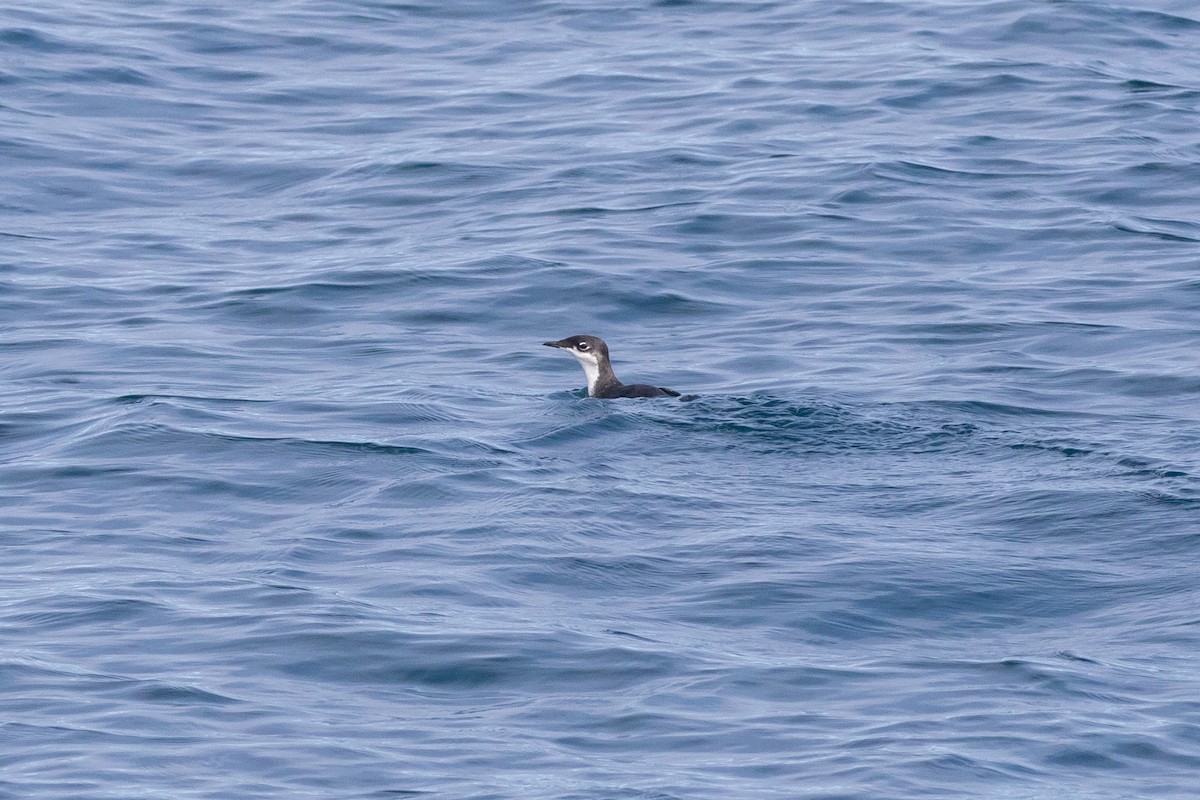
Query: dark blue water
pixel 293 502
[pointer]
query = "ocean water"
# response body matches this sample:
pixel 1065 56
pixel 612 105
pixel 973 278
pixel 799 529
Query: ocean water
pixel 293 502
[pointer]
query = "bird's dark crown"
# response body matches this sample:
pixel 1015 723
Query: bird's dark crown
pixel 582 344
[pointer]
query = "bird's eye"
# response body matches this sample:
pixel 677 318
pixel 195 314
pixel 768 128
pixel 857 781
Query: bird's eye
pixel 581 346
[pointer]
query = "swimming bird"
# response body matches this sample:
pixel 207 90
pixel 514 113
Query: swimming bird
pixel 592 353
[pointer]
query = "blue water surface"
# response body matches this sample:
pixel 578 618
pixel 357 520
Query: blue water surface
pixel 293 502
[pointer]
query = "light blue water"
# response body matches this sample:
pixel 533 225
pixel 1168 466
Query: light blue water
pixel 293 502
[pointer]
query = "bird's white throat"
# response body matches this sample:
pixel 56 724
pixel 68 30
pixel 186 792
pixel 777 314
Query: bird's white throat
pixel 591 368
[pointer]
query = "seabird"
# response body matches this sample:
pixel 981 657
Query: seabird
pixel 592 353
